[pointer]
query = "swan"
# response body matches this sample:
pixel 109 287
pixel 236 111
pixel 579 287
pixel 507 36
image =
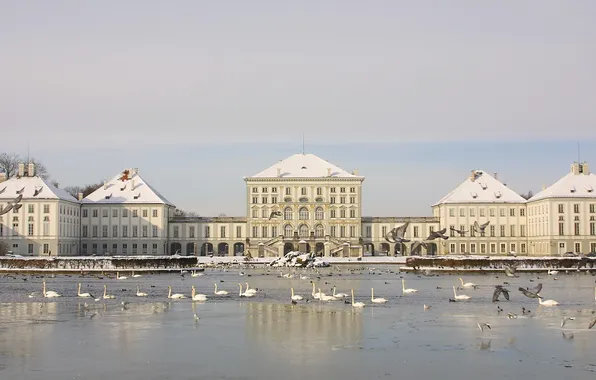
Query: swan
pixel 304 277
pixel 316 295
pixel 135 275
pixel 553 272
pixel 467 285
pixel 195 274
pixel 197 297
pixel 375 300
pixel 324 297
pixel 49 293
pixel 176 296
pixel 118 277
pixel 339 295
pixel 249 290
pixel 84 295
pixel 461 296
pixel 356 304
pixel 245 294
pixel 403 287
pixel 295 297
pixel 547 302
pixel 107 296
pixel 220 292
pixel 139 293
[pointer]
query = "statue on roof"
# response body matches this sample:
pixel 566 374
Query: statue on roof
pixel 125 175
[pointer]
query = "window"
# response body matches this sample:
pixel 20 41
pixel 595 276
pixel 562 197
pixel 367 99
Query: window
pixel 264 212
pixel 561 229
pixel 264 231
pixel 503 247
pixel 135 213
pixel 255 231
pixel 332 215
pixel 207 231
pixel 576 229
pixel 452 212
pixel 352 200
pixel 578 247
pixel 384 230
pixel 30 231
pixel 114 231
pixel 154 249
pixel 493 248
pixel 94 249
pixel 342 200
pixel 255 213
pixel 125 249
pixel 319 230
pixel 222 232
pixel 104 231
pixel 104 213
pixel 288 191
pixel 592 228
pixel 288 230
pixel 95 213
pixel 352 231
pixel 124 231
pixel 145 213
pixel 274 200
pixel 522 230
pixel 46 248
pixel 191 232
pixel 134 248
pixel 94 231
pixel 255 189
pixel 502 231
pixel 522 212
pixel 84 249
pixel 462 248
pixel 84 213
pixel 303 213
pixel 502 212
pixel 512 247
pixel 576 208
pixel 46 228
pixel 238 231
pixel 482 212
pixel 303 191
pixel 342 213
pixel 368 231
pixel 472 212
pixel 523 247
pixel 512 212
pixel 274 189
pixel 332 190
pixel 462 212
pixel 155 213
pixel 135 231
pixel 472 231
pixel 264 200
pixel 264 190
pixel 352 189
pixel 154 231
pixel 492 231
pixel 125 213
pixel 452 248
pixel 319 191
pixel 352 213
pixel 46 209
pixel 451 232
pixel 144 231
pixel 30 209
pixel 342 231
pixel 415 231
pixel 176 231
pixel 332 200
pixel 273 231
pixel 319 213
pixel 333 231
pixel 288 214
pixel 482 248
pixel 114 213
pixel 592 208
pixel 491 212
pixel 512 230
pixel 303 230
pixel 561 210
pixel 342 189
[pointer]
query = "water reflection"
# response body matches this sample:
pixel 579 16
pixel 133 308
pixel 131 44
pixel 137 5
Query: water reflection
pixel 302 333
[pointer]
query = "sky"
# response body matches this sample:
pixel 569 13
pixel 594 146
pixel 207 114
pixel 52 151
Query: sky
pixel 198 94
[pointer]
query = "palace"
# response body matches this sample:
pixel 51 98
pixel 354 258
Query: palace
pixel 300 203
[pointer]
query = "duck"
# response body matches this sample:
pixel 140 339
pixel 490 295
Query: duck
pixel 461 296
pixel 356 304
pixel 219 292
pixel 139 293
pixel 376 300
pixel 107 296
pixel 176 296
pixel 403 287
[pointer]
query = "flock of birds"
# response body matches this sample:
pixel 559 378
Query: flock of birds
pixel 317 294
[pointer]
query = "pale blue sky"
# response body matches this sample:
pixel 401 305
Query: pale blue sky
pixel 198 94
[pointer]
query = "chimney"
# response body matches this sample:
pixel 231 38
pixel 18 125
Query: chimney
pixel 80 196
pixel 575 168
pixel 328 172
pixel 21 172
pixel 31 169
pixel 585 168
pixel 473 175
pixel 279 172
pixel 495 175
pixel 105 185
pixel 135 170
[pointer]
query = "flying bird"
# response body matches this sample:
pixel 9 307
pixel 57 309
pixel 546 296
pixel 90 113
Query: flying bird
pixel 592 323
pixel 396 235
pixel 460 232
pixel 565 319
pixel 510 271
pixel 438 235
pixel 529 293
pixel 480 227
pixel 498 290
pixel 482 325
pixel 274 214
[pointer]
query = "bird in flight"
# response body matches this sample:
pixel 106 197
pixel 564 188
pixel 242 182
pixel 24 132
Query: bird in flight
pixel 274 214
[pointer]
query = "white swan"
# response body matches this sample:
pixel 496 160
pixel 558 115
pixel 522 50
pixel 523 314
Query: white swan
pixel 118 277
pixel 245 294
pixel 139 293
pixel 339 295
pixel 135 275
pixel 220 292
pixel 553 272
pixel 403 287
pixel 195 274
pixel 324 297
pixel 467 285
pixel 197 297
pixel 314 294
pixel 176 296
pixel 249 290
pixel 547 302
pixel 375 300
pixel 49 293
pixel 295 297
pixel 107 296
pixel 356 304
pixel 461 296
pixel 83 295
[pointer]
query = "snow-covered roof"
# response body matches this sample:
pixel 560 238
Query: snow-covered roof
pixel 126 187
pixel 579 183
pixel 305 166
pixel 32 188
pixel 481 187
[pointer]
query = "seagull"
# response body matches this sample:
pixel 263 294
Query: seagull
pixel 498 290
pixel 274 214
pixel 196 317
pixel 510 271
pixel 480 227
pixel 482 325
pixel 565 319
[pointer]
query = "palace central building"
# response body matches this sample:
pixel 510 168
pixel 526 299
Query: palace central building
pixel 300 203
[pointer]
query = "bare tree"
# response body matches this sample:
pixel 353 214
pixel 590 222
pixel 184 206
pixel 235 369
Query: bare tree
pixel 55 184
pixel 3 248
pixel 527 196
pixel 86 190
pixel 9 164
pixel 188 214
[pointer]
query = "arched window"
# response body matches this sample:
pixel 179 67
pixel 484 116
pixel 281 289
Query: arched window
pixel 319 213
pixel 320 230
pixel 288 214
pixel 288 230
pixel 303 214
pixel 303 230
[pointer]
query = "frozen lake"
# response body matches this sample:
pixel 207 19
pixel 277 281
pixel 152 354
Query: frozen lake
pixel 266 337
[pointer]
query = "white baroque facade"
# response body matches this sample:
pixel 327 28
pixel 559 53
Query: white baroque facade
pixel 47 220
